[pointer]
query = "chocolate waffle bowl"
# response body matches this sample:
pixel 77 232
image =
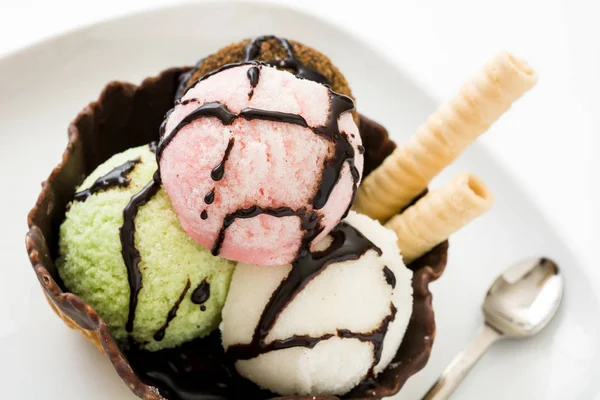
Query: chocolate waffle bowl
pixel 125 116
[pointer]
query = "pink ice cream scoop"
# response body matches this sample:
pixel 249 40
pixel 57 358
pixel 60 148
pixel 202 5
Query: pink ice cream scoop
pixel 259 163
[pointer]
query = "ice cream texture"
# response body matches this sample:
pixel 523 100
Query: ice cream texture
pixel 250 151
pixel 344 324
pixel 183 285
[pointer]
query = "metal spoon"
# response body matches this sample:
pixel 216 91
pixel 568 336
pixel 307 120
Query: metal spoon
pixel 519 304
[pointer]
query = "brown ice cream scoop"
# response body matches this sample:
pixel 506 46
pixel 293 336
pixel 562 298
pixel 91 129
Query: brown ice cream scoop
pixel 299 59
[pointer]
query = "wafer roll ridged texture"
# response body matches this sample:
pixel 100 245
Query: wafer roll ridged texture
pixel 433 218
pixel 444 136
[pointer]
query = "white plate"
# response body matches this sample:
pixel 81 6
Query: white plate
pixel 43 87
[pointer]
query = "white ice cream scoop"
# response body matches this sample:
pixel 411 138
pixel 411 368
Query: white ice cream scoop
pixel 338 315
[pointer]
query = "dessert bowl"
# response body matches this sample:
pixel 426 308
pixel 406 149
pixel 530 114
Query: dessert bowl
pixel 125 116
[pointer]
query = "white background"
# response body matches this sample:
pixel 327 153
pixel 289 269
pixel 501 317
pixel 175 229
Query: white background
pixel 548 140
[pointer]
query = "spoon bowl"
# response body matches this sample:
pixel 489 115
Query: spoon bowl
pixel 524 298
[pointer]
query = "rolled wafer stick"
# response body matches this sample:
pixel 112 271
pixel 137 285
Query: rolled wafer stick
pixel 444 136
pixel 437 215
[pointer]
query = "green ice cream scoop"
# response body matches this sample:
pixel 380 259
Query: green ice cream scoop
pixel 183 286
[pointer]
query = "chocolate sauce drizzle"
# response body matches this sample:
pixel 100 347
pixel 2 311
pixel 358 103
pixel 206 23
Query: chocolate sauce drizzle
pixel 220 111
pixel 276 116
pixel 160 333
pixel 217 173
pixel 210 197
pixel 292 63
pixel 201 294
pixel 305 341
pixel 213 109
pixel 343 152
pixel 253 76
pixel 131 255
pixel 390 278
pixel 348 244
pixel 251 212
pixel 187 101
pixel 212 73
pixel 118 176
pixel 375 337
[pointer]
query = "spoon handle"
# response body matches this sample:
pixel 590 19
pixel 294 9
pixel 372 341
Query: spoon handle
pixel 458 368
